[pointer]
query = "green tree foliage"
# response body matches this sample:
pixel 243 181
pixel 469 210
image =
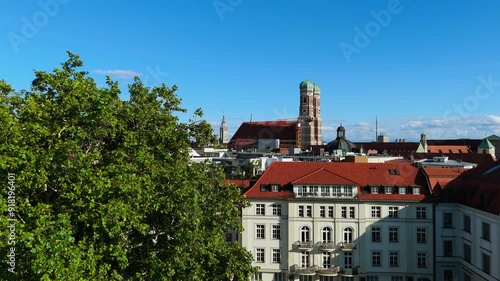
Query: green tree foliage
pixel 105 189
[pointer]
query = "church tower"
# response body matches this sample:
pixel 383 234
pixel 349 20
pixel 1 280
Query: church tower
pixel 223 134
pixel 309 114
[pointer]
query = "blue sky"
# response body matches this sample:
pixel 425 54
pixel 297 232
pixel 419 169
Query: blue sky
pixel 420 66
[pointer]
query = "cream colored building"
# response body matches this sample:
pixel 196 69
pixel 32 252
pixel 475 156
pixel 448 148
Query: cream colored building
pixel 340 221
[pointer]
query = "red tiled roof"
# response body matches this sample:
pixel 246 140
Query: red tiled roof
pixel 448 149
pixel 478 188
pixel 442 176
pixel 249 132
pixel 360 174
pixel 244 183
pixel 322 176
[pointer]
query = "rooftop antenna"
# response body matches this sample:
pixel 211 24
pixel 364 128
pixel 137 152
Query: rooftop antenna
pixel 250 117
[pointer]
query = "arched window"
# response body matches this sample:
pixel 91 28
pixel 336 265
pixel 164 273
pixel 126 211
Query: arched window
pixel 304 234
pixel 326 235
pixel 348 235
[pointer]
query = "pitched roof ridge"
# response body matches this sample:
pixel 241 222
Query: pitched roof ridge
pixel 326 170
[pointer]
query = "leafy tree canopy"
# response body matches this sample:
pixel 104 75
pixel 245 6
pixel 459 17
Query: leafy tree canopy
pixel 105 189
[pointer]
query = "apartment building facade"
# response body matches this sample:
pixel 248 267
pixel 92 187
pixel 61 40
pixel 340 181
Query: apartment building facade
pixel 340 221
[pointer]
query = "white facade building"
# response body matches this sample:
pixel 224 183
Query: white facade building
pixel 467 243
pixel 340 221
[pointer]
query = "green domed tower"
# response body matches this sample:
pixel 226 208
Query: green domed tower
pixel 309 114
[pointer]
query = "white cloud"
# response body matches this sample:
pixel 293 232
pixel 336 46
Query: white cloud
pixel 119 73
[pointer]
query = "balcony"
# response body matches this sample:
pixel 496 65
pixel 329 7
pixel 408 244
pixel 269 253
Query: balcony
pixel 348 272
pixel 326 246
pixel 304 246
pixel 332 271
pixel 347 247
pixel 311 270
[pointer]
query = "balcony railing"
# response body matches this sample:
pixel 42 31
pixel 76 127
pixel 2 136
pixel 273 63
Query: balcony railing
pixel 304 245
pixel 327 246
pixel 331 271
pixel 348 271
pixel 347 246
pixel 311 270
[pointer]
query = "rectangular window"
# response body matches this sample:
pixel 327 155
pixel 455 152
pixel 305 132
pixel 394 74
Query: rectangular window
pixel 402 190
pixel 327 260
pixel 257 276
pixel 309 211
pixel 301 211
pixel 374 189
pixel 467 277
pixel 393 212
pixel 348 191
pixel 448 275
pixel 421 235
pixel 421 260
pixel 343 211
pixel 416 190
pixel 229 237
pixel 337 191
pixel 280 276
pixel 486 231
pixel 388 190
pixel 447 220
pixel 275 188
pixel 467 253
pixel 260 231
pixel 421 213
pixel 352 212
pixel 325 190
pixel 393 259
pixel 376 259
pixel 393 234
pixel 396 278
pixel 276 209
pixel 330 211
pixel 276 231
pixel 376 213
pixel 376 234
pixel 467 223
pixel 322 212
pixel 486 263
pixel 276 256
pixel 448 248
pixel 260 255
pixel 347 260
pixel 304 259
pixel 260 209
pixel 371 278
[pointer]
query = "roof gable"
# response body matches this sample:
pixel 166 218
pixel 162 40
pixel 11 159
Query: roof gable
pixel 323 176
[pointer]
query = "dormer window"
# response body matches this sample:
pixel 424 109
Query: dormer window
pixel 263 188
pixel 388 189
pixel 374 189
pixel 275 187
pixel 402 190
pixel 416 190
